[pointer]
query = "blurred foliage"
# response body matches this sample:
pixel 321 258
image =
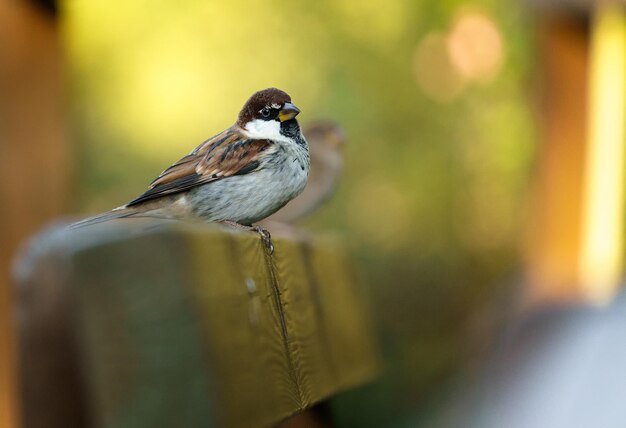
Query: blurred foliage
pixel 438 160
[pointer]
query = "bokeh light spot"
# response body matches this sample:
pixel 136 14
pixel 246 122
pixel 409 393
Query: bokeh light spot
pixel 475 46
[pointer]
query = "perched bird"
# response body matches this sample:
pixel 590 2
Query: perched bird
pixel 238 177
pixel 326 140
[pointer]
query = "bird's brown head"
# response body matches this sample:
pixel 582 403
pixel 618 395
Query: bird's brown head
pixel 326 132
pixel 267 105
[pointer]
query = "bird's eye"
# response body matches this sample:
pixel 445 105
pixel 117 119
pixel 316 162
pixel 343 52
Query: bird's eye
pixel 266 112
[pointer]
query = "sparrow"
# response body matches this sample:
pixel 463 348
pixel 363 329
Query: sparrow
pixel 238 177
pixel 326 140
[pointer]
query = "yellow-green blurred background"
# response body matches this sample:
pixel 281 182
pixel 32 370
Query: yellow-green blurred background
pixel 484 169
pixel 435 99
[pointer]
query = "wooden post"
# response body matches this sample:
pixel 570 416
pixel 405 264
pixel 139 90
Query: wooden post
pixel 34 157
pixel 602 256
pixel 145 323
pixel 575 248
pixel 554 238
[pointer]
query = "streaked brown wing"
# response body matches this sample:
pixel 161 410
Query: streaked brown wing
pixel 224 155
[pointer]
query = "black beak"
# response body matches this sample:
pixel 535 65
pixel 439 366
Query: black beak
pixel 288 112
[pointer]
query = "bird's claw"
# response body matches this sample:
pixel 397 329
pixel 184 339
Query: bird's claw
pixel 265 234
pixel 266 237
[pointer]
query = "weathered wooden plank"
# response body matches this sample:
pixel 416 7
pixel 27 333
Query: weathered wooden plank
pixel 344 313
pixel 51 387
pixel 242 324
pixel 141 345
pixel 308 335
pixel 193 325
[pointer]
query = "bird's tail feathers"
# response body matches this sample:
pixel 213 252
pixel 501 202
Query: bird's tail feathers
pixel 116 213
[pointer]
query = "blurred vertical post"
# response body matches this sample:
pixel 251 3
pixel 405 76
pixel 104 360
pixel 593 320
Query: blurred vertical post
pixel 34 155
pixel 575 246
pixel 602 256
pixel 554 238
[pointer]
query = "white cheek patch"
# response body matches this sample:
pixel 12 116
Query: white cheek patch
pixel 265 130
